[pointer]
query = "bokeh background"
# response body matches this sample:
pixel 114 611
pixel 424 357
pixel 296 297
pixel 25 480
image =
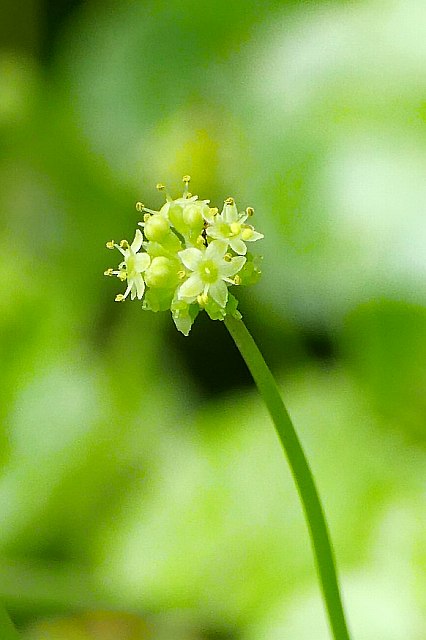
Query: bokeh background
pixel 143 494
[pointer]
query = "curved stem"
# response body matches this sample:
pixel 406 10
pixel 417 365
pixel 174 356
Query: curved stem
pixel 301 471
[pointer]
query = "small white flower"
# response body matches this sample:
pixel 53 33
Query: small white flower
pixel 210 272
pixel 132 267
pixel 229 227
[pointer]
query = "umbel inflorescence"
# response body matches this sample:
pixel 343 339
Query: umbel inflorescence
pixel 186 257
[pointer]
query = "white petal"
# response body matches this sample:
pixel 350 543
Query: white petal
pixel 190 289
pixel 238 246
pixel 213 232
pixel 140 286
pixel 184 201
pixel 164 211
pixel 256 236
pixel 230 213
pixel 142 261
pixel 137 242
pixel 219 292
pixel 191 258
pixel 216 250
pixel 208 217
pixel 231 268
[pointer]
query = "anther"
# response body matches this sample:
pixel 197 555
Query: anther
pixel 181 274
pixel 237 279
pixel 227 257
pixel 202 299
pixel 119 297
pixel 108 272
pixel 186 179
pixel 230 201
pixel 124 244
pixel 160 186
pixel 247 233
pixel 140 206
pixel 146 217
pixel 250 211
pixel 110 244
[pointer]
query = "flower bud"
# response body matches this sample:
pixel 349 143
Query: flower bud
pixel 176 216
pixel 162 273
pixel 156 228
pixel 193 217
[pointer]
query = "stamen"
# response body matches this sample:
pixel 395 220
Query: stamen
pixel 202 299
pixel 247 233
pixel 110 244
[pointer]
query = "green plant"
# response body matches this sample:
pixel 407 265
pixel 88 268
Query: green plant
pixel 185 260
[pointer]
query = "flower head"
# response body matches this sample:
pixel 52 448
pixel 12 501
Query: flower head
pixel 187 258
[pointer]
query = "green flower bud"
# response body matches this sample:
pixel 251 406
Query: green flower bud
pixel 156 228
pixel 162 273
pixel 193 217
pixel 176 218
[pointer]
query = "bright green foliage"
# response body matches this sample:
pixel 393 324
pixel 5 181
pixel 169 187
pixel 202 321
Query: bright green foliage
pixel 191 254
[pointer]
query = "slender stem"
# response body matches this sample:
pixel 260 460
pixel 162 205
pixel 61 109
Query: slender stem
pixel 301 472
pixel 7 630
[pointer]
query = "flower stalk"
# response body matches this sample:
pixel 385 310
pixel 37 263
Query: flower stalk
pixel 301 471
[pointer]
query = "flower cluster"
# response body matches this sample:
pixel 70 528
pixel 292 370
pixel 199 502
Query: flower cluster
pixel 187 257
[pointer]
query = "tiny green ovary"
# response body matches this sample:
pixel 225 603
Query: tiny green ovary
pixel 208 271
pixel 129 266
pixel 235 229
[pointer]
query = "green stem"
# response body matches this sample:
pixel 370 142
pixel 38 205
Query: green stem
pixel 301 472
pixel 7 630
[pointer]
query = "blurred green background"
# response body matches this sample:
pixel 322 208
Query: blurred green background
pixel 143 494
